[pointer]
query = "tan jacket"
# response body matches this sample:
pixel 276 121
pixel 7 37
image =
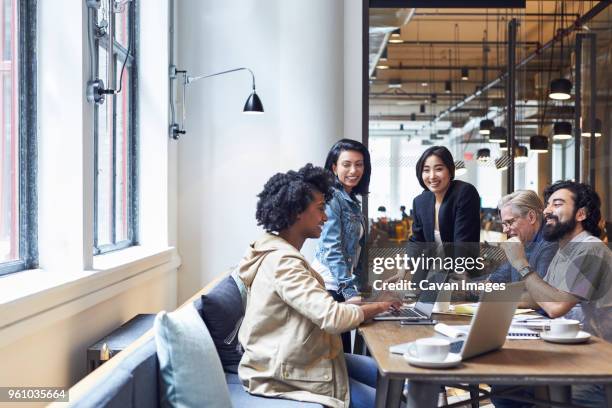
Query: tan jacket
pixel 290 332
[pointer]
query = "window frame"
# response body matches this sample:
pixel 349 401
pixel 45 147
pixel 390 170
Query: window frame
pixel 26 52
pixel 131 68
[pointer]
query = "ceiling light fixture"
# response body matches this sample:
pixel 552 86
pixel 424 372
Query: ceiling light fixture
pixel 562 131
pixel 597 131
pixel 396 37
pixel 538 144
pixel 486 126
pixel 560 89
pixel 498 135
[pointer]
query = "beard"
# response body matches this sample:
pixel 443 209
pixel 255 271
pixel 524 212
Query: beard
pixel 556 231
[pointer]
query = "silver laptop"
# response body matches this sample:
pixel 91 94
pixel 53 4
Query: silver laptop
pixel 489 326
pixel 423 308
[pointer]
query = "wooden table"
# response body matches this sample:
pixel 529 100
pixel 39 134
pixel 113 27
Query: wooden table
pixel 519 362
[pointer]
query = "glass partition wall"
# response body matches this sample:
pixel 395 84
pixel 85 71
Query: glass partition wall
pixel 440 77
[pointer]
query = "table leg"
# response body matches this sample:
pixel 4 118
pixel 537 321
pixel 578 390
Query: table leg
pixel 422 394
pixel 359 347
pixel 388 392
pixel 560 393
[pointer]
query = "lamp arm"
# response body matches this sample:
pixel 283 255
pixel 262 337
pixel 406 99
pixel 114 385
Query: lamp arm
pixel 191 79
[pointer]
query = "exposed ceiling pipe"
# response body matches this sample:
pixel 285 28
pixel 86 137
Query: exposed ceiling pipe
pixel 598 8
pixel 385 41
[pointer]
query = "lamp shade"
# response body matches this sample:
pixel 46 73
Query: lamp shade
pixel 498 135
pixel 396 37
pixel 586 132
pixel 562 131
pixel 486 126
pixel 538 144
pixel 460 168
pixel 560 89
pixel 422 108
pixel 448 86
pixel 503 146
pixel 520 154
pixel 465 74
pixel 483 155
pixel 253 104
pixel 434 98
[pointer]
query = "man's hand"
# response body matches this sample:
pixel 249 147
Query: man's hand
pixel 515 252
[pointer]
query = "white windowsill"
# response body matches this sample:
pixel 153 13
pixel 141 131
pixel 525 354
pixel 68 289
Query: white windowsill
pixel 37 297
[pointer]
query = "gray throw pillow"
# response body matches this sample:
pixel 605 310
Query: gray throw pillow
pixel 185 350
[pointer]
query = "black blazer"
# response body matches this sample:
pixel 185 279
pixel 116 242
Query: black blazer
pixel 458 218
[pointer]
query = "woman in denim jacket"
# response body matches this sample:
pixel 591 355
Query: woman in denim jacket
pixel 339 250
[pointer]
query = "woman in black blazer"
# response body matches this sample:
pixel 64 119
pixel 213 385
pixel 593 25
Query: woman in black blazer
pixel 448 211
pixel 455 203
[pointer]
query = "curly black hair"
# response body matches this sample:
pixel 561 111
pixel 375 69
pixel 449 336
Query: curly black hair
pixel 286 195
pixel 584 196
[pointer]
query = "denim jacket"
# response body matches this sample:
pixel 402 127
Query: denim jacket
pixel 339 242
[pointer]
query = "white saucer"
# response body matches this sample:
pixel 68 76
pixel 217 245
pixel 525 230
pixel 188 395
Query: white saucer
pixel 452 360
pixel 581 337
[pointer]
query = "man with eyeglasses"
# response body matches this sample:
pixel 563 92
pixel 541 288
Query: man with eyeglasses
pixel 522 219
pixel 580 272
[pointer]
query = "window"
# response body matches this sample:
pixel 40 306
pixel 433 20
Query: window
pixel 115 220
pixel 18 249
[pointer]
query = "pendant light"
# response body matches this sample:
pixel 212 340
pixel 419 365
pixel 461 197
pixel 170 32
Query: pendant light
pixel 396 37
pixel 498 135
pixel 486 126
pixel 422 108
pixel 503 147
pixel 562 131
pixel 560 88
pixel 538 144
pixel 465 74
pixel 448 87
pixel 587 131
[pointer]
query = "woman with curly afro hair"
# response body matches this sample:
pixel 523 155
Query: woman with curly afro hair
pixel 292 325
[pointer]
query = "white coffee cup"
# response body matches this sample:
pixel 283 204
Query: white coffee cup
pixel 564 328
pixel 430 348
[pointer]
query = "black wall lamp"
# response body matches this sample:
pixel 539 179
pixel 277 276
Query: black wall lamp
pixel 252 105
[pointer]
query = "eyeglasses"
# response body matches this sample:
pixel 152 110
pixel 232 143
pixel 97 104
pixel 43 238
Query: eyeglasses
pixel 509 223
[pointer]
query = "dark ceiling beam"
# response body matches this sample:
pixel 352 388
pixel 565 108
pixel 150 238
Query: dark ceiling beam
pixel 473 14
pixel 561 33
pixel 448 3
pixel 466 43
pixel 458 67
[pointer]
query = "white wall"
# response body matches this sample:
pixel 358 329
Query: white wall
pixel 296 49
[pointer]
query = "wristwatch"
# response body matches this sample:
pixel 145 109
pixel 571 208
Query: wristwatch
pixel 524 271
